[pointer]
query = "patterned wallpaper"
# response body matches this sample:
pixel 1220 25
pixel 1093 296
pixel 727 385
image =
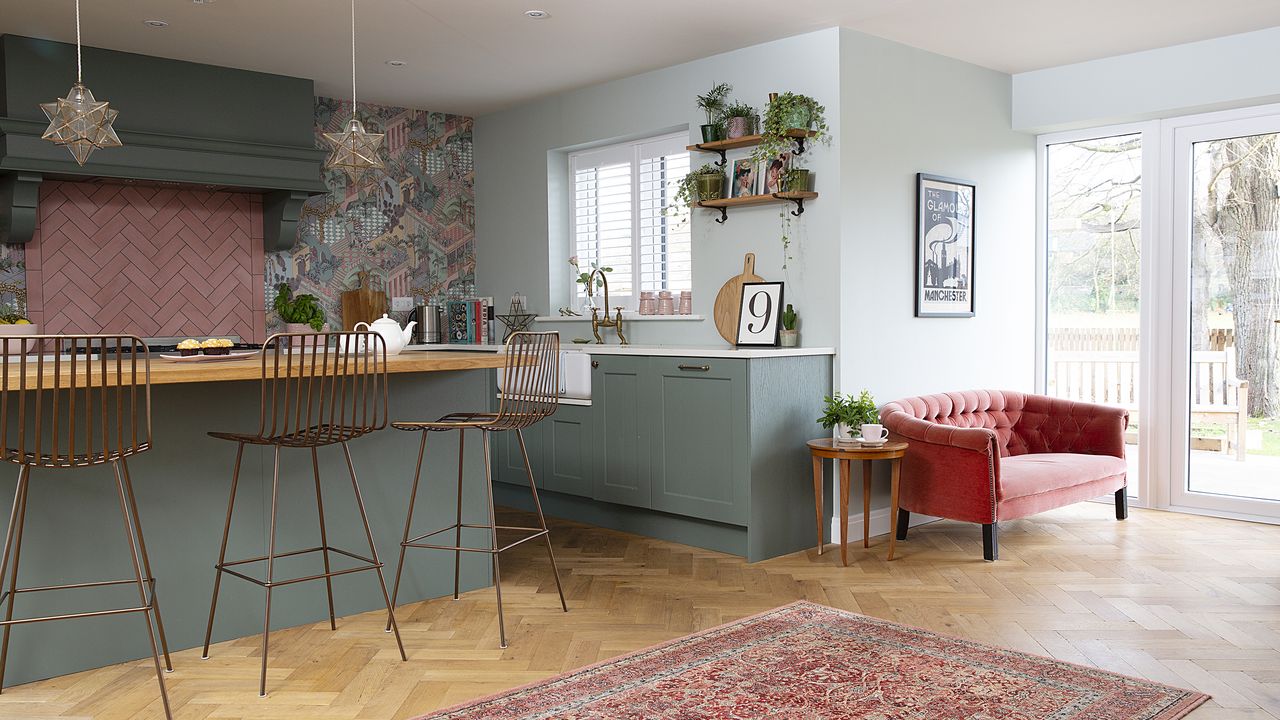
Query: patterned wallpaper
pixel 412 228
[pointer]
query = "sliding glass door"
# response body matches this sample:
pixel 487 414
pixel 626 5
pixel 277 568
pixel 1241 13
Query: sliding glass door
pixel 1226 223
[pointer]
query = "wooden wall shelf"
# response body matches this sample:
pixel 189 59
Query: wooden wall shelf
pixel 724 204
pixel 720 147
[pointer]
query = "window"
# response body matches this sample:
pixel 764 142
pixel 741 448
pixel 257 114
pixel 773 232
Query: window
pixel 617 218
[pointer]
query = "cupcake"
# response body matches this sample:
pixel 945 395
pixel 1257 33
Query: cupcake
pixel 216 346
pixel 189 347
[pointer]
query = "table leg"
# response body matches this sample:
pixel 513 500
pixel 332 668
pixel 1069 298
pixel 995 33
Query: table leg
pixel 817 498
pixel 896 465
pixel 846 470
pixel 866 503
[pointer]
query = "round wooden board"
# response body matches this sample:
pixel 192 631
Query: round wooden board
pixel 729 299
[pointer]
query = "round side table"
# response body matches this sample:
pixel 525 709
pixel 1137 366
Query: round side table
pixel 844 455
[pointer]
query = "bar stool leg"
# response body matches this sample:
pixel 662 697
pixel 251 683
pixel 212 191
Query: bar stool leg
pixel 146 564
pixel 408 523
pixel 373 549
pixel 134 555
pixel 12 549
pixel 493 528
pixel 324 538
pixel 542 521
pixel 457 532
pixel 271 561
pixel 222 552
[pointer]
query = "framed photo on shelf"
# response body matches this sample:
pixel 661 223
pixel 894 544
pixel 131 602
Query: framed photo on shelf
pixel 744 179
pixel 944 246
pixel 760 314
pixel 771 172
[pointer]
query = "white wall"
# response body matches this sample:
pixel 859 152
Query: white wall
pixel 904 111
pixel 1227 72
pixel 516 148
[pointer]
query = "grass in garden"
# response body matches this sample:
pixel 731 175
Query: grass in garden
pixel 1270 428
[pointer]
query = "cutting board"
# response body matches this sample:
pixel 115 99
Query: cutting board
pixel 364 304
pixel 729 299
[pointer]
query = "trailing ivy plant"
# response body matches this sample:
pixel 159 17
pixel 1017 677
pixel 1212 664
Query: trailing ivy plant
pixel 785 112
pixel 298 308
pixel 687 188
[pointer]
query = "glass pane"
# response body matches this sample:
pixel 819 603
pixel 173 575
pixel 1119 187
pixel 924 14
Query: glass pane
pixel 1094 242
pixel 1235 307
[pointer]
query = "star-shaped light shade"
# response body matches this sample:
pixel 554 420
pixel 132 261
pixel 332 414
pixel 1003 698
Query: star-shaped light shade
pixel 355 151
pixel 81 123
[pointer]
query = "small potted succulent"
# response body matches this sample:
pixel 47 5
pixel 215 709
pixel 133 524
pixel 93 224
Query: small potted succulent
pixel 704 183
pixel 844 413
pixel 739 119
pixel 789 336
pixel 712 103
pixel 299 313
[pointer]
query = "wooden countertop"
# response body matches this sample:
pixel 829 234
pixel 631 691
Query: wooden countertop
pixel 167 372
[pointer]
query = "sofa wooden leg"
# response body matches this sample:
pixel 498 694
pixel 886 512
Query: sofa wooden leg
pixel 904 519
pixel 1122 503
pixel 990 545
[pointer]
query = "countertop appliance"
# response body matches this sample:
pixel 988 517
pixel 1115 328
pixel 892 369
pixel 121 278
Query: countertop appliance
pixel 430 319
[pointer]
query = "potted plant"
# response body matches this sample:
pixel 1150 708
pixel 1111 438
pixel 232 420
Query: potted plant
pixel 796 179
pixel 298 312
pixel 14 323
pixel 712 103
pixel 739 119
pixel 704 183
pixel 844 413
pixel 585 280
pixel 788 335
pixel 789 111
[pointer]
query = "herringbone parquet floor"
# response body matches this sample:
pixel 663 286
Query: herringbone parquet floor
pixel 1186 600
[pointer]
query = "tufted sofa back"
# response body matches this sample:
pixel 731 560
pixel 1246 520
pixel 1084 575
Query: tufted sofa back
pixel 1022 423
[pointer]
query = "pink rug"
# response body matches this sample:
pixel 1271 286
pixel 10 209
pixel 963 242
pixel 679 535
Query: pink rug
pixel 810 662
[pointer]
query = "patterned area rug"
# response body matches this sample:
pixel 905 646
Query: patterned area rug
pixel 810 662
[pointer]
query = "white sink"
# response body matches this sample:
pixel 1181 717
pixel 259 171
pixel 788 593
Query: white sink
pixel 575 375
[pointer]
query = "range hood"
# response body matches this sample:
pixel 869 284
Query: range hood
pixel 181 123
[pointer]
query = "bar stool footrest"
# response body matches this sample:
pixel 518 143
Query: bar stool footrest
pixel 534 533
pixel 367 564
pixel 151 582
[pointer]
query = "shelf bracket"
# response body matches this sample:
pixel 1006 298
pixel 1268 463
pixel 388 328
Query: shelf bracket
pixel 799 206
pixel 799 149
pixel 724 160
pixel 724 215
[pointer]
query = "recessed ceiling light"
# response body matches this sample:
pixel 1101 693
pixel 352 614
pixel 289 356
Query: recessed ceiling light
pixel 537 14
pixel 155 23
pixel 203 2
pixel 396 63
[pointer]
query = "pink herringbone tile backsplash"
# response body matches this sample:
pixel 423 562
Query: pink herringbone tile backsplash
pixel 152 261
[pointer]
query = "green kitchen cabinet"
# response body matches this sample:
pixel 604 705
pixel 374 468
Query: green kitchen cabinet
pixel 509 464
pixel 559 449
pixel 621 459
pixel 696 409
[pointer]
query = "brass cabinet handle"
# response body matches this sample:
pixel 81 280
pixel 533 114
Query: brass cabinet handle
pixel 699 368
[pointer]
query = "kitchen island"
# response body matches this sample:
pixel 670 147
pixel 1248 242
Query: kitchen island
pixel 73 529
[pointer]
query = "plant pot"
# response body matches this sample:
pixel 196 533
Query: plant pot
pixel 799 118
pixel 710 133
pixel 843 435
pixel 710 187
pixel 16 332
pixel 797 181
pixel 297 328
pixel 789 338
pixel 739 126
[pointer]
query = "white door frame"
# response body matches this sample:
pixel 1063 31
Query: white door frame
pixel 1177 137
pixel 1149 435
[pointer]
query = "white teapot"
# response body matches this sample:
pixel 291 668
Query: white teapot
pixel 392 334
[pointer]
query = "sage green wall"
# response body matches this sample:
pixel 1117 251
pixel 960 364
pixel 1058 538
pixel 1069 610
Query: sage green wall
pixel 522 205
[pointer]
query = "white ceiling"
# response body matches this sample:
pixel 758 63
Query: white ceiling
pixel 475 56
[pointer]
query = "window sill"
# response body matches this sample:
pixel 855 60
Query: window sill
pixel 626 316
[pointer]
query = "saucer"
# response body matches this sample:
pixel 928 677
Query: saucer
pixel 870 443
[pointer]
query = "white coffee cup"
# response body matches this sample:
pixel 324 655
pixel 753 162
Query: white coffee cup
pixel 873 432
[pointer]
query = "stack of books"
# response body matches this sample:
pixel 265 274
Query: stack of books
pixel 470 321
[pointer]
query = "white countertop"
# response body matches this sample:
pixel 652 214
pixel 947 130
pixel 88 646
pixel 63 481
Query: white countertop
pixel 706 351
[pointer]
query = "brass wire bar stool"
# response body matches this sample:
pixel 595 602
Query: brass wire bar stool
pixel 78 401
pixel 532 375
pixel 318 389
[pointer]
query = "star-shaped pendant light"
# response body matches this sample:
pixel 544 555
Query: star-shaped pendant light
pixel 78 121
pixel 355 151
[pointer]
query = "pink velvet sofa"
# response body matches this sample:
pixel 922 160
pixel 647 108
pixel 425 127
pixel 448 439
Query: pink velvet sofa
pixel 985 456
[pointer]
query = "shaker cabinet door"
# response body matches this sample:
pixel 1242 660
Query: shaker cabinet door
pixel 567 451
pixel 698 411
pixel 621 434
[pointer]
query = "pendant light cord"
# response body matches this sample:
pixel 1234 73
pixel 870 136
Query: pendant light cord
pixel 353 56
pixel 78 70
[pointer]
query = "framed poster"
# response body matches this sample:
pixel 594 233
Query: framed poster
pixel 744 179
pixel 760 314
pixel 944 246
